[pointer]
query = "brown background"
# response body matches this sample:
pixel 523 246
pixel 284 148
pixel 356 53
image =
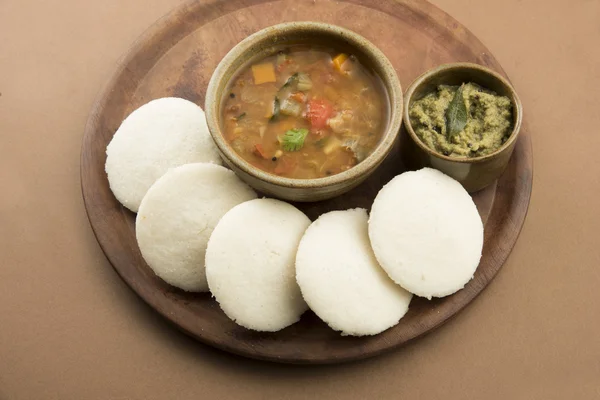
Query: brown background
pixel 70 329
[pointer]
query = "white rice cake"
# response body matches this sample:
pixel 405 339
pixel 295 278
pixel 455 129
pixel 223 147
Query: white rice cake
pixel 177 216
pixel 250 264
pixel 341 280
pixel 160 135
pixel 426 233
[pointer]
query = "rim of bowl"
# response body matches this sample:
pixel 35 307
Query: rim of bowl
pixel 353 39
pixel 518 107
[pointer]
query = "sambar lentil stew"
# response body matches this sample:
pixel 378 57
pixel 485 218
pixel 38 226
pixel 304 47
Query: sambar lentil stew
pixel 306 112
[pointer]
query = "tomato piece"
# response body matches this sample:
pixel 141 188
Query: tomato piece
pixel 318 113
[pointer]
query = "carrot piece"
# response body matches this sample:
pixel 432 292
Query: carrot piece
pixel 339 60
pixel 263 73
pixel 259 151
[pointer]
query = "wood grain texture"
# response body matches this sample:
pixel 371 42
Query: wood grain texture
pixel 176 57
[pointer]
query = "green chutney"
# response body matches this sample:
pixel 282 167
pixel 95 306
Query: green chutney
pixel 489 121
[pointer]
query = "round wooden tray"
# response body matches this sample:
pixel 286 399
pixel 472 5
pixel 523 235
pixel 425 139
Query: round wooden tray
pixel 177 56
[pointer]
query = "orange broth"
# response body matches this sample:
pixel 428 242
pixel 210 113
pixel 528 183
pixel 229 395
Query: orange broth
pixel 305 112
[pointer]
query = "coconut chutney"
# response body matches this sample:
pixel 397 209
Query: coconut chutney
pixel 488 122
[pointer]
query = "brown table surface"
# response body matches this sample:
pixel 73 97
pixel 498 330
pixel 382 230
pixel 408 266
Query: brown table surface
pixel 71 329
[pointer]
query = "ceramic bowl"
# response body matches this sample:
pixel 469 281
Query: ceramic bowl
pixel 267 42
pixel 473 173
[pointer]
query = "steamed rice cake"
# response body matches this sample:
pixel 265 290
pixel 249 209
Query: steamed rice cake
pixel 341 280
pixel 177 216
pixel 161 134
pixel 426 233
pixel 250 264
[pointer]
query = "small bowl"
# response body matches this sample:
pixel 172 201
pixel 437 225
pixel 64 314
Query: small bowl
pixel 473 173
pixel 267 42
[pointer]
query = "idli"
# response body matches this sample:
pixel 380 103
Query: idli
pixel 426 233
pixel 340 279
pixel 250 264
pixel 160 135
pixel 177 216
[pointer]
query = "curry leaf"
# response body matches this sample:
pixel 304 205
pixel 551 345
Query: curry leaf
pixel 456 114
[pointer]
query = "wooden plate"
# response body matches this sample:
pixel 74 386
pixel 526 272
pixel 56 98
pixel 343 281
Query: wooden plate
pixel 177 56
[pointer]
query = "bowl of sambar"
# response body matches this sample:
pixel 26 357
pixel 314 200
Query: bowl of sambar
pixel 304 111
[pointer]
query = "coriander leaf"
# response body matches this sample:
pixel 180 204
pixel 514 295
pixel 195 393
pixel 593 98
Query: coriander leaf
pixel 456 114
pixel 242 115
pixel 293 140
